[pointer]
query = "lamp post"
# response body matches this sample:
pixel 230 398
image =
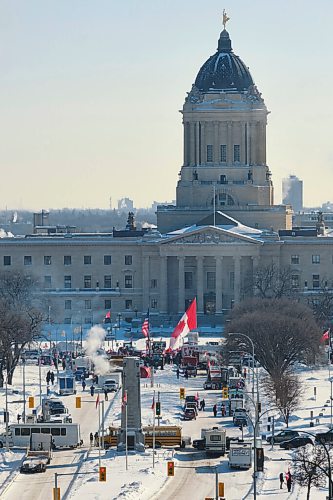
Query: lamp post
pixel 119 318
pixel 23 383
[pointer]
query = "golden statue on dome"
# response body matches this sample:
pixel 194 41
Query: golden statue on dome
pixel 225 18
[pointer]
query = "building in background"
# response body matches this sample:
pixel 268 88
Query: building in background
pixel 292 192
pixel 125 204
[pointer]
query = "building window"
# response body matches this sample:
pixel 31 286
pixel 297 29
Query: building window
pixel 47 281
pixel 107 260
pixel 7 260
pixel 88 320
pixel 47 260
pixel 68 320
pixel 128 281
pixel 236 153
pixel 294 259
pixel 295 281
pixel 211 280
pixel 315 259
pixel 87 304
pixel 315 281
pixel 68 304
pixel 188 280
pixel 223 153
pixel 107 304
pixel 87 282
pixel 27 260
pixel 107 281
pixel 68 281
pixel 153 283
pixel 209 153
pixel 128 304
pixel 87 259
pixel 232 280
pixel 128 260
pixel 153 303
pixel 67 260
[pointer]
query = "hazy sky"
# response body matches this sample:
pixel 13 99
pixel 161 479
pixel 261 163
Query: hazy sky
pixel 91 89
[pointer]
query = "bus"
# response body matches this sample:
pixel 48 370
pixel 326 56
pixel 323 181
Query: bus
pixel 166 435
pixel 63 435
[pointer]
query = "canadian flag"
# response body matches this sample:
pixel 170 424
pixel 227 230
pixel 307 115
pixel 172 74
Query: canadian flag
pixel 187 323
pixel 325 336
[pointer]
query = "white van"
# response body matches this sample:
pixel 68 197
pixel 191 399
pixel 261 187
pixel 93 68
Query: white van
pixel 63 435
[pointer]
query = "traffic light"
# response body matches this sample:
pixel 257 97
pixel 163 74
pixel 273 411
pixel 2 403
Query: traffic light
pixel 158 408
pixel 102 474
pixel 31 402
pixel 225 393
pixel 171 468
pixel 182 393
pixel 259 407
pixel 78 402
pixel 260 459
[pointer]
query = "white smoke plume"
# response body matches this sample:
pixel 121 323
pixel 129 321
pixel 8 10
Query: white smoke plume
pixel 94 342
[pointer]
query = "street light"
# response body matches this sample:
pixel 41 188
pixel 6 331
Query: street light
pixel 119 318
pixel 253 358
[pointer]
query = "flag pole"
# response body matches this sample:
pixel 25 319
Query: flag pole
pixel 329 353
pixel 126 449
pixel 154 432
pixel 99 434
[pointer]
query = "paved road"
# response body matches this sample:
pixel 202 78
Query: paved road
pixel 39 486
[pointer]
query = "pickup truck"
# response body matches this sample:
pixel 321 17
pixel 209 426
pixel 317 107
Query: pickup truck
pixel 324 437
pixel 38 455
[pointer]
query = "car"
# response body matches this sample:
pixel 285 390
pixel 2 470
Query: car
pixel 240 420
pixel 35 464
pixel 110 386
pixel 296 442
pixel 191 399
pixel 285 435
pixel 189 414
pixel 324 437
pixel 191 405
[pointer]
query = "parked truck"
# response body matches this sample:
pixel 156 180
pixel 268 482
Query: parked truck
pixel 38 455
pixel 214 441
pixel 240 456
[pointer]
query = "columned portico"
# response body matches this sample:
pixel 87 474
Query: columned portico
pixel 200 302
pixel 181 284
pixel 218 285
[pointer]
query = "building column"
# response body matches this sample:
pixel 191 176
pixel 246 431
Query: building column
pixel 200 287
pixel 237 282
pixel 163 285
pixel 216 147
pixel 218 285
pixel 145 283
pixel 255 264
pixel 230 149
pixel 192 144
pixel 197 143
pixel 181 284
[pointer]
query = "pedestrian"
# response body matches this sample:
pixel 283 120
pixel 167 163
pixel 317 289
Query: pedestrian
pixel 96 438
pixel 83 385
pixel 215 410
pixel 92 390
pixel 186 374
pixel 52 378
pixel 177 372
pixel 203 404
pixel 281 480
pixel 91 439
pixel 18 418
pixel 288 481
pixel 63 364
pixel 223 410
pixel 244 373
pixel 48 377
pixel 106 397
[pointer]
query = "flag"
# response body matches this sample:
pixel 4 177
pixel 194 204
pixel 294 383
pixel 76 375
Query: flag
pixel 107 318
pixel 124 401
pixel 145 328
pixel 325 336
pixel 97 401
pixel 153 404
pixel 187 323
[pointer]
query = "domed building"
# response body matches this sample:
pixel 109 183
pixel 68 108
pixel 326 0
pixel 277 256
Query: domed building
pixel 224 119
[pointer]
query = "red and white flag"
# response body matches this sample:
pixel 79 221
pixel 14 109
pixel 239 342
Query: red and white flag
pixel 124 401
pixel 325 335
pixel 97 401
pixel 107 318
pixel 145 328
pixel 187 323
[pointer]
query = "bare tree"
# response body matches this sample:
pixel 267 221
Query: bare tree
pixel 287 390
pixel 270 281
pixel 20 319
pixel 322 304
pixel 310 467
pixel 283 332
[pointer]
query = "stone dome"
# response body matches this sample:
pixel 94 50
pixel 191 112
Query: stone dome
pixel 224 70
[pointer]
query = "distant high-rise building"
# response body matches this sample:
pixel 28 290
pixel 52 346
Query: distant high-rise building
pixel 125 204
pixel 292 192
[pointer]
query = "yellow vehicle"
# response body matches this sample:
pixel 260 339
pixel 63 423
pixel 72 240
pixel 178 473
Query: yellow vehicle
pixel 111 438
pixel 166 435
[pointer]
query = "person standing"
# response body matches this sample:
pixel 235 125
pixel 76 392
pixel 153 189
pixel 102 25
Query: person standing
pixel 91 439
pixel 281 480
pixel 215 410
pixel 177 372
pixel 106 397
pixel 96 439
pixel 83 385
pixel 92 390
pixel 52 378
pixel 288 481
pixel 48 377
pixel 203 404
pixel 186 374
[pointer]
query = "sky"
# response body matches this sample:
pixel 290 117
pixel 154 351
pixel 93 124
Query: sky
pixel 91 90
